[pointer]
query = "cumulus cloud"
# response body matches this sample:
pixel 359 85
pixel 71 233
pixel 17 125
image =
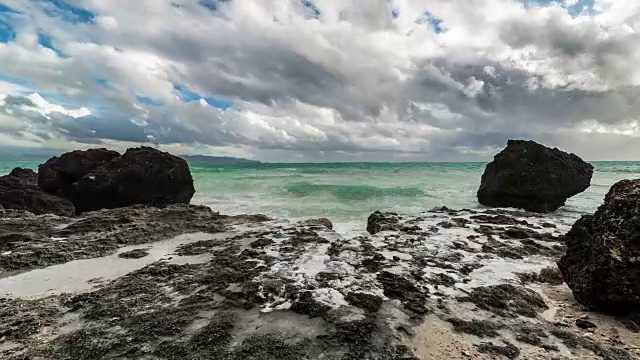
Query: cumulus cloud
pixel 323 80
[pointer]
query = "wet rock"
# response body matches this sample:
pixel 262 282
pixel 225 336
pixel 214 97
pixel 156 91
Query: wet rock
pixel 530 335
pixel 319 222
pixel 140 176
pixel 368 302
pixel 302 237
pixel 378 222
pixel 18 191
pixel 375 263
pixel 585 324
pixel 272 347
pixel 533 177
pixel 445 225
pixel 20 319
pixel 479 328
pixel 35 201
pixel 602 262
pixel 519 233
pixel 91 343
pixel 499 219
pixel 262 242
pixel 24 176
pixel 306 304
pixel 503 250
pixel 507 300
pixel 248 218
pixel 461 222
pixel 573 341
pixel 550 275
pixel 398 287
pixel 99 233
pixel 509 350
pixel 134 254
pixel 442 280
pixel 212 340
pixel 58 174
pixel 356 333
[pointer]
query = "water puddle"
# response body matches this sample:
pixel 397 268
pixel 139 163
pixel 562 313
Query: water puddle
pixel 83 275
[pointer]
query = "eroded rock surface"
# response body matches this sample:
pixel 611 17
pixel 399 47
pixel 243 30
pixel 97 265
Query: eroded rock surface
pixel 28 241
pixel 103 179
pixel 140 176
pixel 58 174
pixel 254 288
pixel 602 263
pixel 18 191
pixel 533 177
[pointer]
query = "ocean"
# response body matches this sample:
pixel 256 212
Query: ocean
pixel 347 193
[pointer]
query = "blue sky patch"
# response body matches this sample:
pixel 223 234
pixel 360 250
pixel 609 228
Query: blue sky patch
pixel 16 81
pixel 187 95
pixel 7 30
pixel 212 5
pixel 434 22
pixel 7 33
pixel 66 11
pixel 312 9
pixel 580 7
pixel 45 40
pixel 143 99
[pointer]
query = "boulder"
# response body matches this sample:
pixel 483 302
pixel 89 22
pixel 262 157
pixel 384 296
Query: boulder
pixel 533 177
pixel 602 262
pixel 24 176
pixel 18 191
pixel 319 222
pixel 58 174
pixel 383 221
pixel 140 176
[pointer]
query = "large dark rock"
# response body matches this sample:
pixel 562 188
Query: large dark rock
pixel 23 176
pixel 602 263
pixel 533 177
pixel 140 176
pixel 58 174
pixel 18 191
pixel 379 221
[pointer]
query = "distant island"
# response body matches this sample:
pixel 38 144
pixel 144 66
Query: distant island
pixel 217 160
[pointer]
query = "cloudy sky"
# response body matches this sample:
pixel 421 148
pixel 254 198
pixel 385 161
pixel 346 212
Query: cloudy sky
pixel 321 80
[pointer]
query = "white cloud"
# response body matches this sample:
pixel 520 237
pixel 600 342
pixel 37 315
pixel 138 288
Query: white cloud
pixel 351 80
pixel 45 107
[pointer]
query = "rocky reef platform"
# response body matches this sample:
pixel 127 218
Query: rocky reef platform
pixel 184 282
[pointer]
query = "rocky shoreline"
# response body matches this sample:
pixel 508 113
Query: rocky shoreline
pixel 445 284
pixel 102 256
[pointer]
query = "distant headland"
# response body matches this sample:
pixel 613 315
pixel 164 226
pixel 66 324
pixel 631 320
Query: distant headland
pixel 218 160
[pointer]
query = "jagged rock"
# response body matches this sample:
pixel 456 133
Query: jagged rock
pixel 585 325
pixel 388 221
pixel 18 191
pixel 24 176
pixel 533 177
pixel 134 254
pixel 602 263
pixel 379 221
pixel 58 174
pixel 320 222
pixel 140 176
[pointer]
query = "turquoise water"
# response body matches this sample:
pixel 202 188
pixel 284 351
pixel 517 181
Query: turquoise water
pixel 347 193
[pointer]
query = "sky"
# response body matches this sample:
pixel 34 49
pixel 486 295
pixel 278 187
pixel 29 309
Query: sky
pixel 321 80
